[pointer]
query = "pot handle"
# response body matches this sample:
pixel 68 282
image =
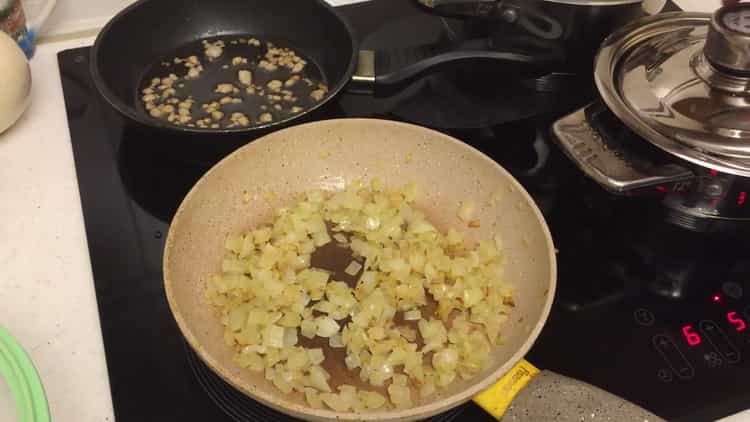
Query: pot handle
pixel 385 72
pixel 605 159
pixel 547 396
pixel 516 12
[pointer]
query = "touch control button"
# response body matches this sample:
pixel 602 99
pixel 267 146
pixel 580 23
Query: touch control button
pixel 664 375
pixel 712 359
pixel 644 317
pixel 719 341
pixel 673 356
pixel 731 289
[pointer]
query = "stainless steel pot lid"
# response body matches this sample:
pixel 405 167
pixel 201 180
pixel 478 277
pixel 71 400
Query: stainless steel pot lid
pixel 483 7
pixel 433 3
pixel 690 97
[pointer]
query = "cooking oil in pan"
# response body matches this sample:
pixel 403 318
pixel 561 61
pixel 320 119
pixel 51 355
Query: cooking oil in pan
pixel 231 82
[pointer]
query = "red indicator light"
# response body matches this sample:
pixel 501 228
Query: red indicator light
pixel 742 198
pixel 716 298
pixel 661 188
pixel 738 323
pixel 714 173
pixel 691 336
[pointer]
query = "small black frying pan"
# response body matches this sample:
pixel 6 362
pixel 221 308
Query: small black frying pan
pixel 128 47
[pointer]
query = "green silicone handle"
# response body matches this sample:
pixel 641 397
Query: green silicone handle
pixel 23 380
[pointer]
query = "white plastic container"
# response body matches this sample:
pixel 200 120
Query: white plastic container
pixel 16 87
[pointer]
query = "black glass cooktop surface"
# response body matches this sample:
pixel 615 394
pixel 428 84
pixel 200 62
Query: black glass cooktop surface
pixel 623 318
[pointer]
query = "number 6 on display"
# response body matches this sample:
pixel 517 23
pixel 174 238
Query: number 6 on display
pixel 691 336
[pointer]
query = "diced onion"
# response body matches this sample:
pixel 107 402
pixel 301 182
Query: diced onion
pixel 298 359
pixel 348 396
pixel 372 400
pixel 427 389
pixel 352 361
pixel 273 336
pixel 319 379
pixel 353 268
pixel 372 223
pixel 413 315
pixel 269 295
pixel 308 328
pixel 327 327
pixel 466 211
pixel 340 238
pixel 316 356
pixel 335 341
pixel 445 360
pixel 335 402
pixel 290 337
pixel 313 398
pixel 400 395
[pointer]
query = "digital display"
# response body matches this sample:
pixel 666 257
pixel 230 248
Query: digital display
pixel 738 323
pixel 733 318
pixel 691 336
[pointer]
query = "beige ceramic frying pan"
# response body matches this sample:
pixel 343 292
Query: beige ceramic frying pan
pixel 328 155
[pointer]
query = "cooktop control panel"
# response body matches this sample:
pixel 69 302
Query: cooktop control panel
pixel 672 357
pixel 715 334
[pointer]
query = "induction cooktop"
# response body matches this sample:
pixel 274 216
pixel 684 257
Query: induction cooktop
pixel 684 358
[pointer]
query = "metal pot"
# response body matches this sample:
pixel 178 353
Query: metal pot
pixel 573 29
pixel 672 120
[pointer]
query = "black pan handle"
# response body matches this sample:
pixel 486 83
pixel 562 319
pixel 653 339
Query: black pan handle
pixel 526 15
pixel 484 9
pixel 385 72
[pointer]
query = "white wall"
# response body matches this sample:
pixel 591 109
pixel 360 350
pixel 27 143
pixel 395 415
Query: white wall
pixel 699 5
pixel 72 16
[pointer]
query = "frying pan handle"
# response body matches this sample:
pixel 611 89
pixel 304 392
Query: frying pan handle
pixel 546 396
pixel 550 396
pixel 388 71
pixel 617 166
pixel 526 15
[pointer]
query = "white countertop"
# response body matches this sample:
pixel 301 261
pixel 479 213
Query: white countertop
pixel 47 298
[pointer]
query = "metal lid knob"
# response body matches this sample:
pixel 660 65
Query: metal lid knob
pixel 728 41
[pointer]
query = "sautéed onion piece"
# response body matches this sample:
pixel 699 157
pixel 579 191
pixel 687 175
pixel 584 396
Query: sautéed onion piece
pixel 270 298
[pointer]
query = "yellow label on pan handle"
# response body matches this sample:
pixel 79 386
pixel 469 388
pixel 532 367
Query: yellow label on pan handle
pixel 496 399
